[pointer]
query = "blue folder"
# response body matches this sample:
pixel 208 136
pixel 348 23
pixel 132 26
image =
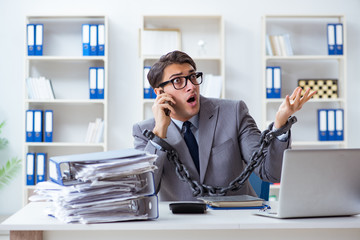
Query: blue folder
pixel 60 166
pixel 92 82
pixel 39 38
pixel 38 125
pixel 30 169
pixel 322 125
pixel 100 82
pixel 41 167
pixel 339 40
pixel 86 39
pixel 93 40
pixel 101 40
pixel 331 38
pixel 48 126
pixel 31 39
pixel 29 125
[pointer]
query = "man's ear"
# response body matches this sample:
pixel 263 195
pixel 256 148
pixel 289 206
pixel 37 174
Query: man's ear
pixel 158 91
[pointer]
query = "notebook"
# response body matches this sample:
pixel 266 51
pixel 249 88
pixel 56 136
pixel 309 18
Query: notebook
pixel 318 183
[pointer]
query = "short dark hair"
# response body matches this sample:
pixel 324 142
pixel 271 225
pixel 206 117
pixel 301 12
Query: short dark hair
pixel 155 74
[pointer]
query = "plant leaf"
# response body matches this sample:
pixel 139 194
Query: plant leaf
pixel 1 125
pixel 8 171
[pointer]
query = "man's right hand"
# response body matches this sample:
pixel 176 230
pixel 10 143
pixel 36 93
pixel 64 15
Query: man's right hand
pixel 162 103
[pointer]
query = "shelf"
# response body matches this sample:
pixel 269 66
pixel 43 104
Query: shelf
pixel 329 100
pixel 308 37
pixel 306 57
pixel 148 100
pixel 317 143
pixel 64 64
pixel 208 58
pixel 63 144
pixel 66 101
pixel 320 16
pixel 66 58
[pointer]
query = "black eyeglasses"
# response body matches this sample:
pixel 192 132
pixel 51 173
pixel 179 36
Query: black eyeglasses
pixel 181 81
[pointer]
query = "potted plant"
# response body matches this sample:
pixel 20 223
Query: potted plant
pixel 11 167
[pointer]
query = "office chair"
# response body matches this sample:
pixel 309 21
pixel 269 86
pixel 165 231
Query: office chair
pixel 261 188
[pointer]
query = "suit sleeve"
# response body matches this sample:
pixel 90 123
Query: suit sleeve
pixel 142 143
pixel 249 140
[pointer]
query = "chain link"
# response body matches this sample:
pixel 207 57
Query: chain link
pixel 199 189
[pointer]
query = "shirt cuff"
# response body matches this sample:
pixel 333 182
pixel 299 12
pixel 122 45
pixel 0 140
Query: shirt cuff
pixel 283 137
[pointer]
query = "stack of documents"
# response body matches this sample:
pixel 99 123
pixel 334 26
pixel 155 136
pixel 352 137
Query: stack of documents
pixel 101 187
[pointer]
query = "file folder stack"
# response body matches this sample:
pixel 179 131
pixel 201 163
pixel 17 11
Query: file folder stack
pixel 335 38
pixel 96 82
pixel 35 38
pixel 93 39
pixel 331 124
pixel 101 187
pixel 36 168
pixel 273 82
pixel 39 125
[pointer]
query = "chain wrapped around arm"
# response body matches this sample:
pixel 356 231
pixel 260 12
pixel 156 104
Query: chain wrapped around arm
pixel 205 190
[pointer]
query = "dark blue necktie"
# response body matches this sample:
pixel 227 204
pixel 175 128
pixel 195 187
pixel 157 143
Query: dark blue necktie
pixel 191 144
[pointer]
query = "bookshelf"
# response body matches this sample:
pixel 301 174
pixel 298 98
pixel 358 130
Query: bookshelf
pixel 310 60
pixel 200 36
pixel 64 64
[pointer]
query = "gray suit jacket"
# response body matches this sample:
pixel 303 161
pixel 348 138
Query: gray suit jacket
pixel 228 136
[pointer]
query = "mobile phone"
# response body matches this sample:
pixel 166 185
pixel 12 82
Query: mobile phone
pixel 166 110
pixel 188 207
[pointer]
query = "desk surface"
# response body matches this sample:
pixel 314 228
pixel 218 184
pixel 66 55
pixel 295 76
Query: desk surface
pixel 33 218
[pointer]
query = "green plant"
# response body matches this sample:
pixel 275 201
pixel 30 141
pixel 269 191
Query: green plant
pixel 11 167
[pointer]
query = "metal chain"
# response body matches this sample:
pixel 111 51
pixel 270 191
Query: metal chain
pixel 199 189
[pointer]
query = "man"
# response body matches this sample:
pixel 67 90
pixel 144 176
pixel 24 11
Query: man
pixel 226 135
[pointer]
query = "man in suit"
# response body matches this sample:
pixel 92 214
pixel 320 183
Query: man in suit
pixel 226 135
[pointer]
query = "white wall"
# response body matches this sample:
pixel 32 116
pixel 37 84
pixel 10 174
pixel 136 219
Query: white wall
pixel 242 56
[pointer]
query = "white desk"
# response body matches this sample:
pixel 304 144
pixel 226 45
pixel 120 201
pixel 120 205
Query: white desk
pixel 31 223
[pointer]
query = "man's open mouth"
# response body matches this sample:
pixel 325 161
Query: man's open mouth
pixel 191 99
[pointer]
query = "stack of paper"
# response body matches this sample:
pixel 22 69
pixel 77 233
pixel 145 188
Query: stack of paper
pixel 39 88
pixel 101 187
pixel 95 131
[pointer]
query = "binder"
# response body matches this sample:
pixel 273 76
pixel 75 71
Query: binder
pixel 40 167
pixel 86 39
pixel 93 82
pixel 48 129
pixel 100 83
pixel 31 39
pixel 61 172
pixel 29 126
pixel 147 88
pixel 93 40
pixel 322 125
pixel 339 124
pixel 39 33
pixel 101 40
pixel 269 82
pixel 331 38
pixel 30 169
pixel 277 82
pixel 331 124
pixel 339 39
pixel 38 131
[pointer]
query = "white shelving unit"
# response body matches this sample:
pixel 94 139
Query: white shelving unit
pixel 308 36
pixel 64 64
pixel 209 57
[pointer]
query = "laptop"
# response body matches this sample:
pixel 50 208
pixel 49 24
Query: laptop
pixel 318 183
